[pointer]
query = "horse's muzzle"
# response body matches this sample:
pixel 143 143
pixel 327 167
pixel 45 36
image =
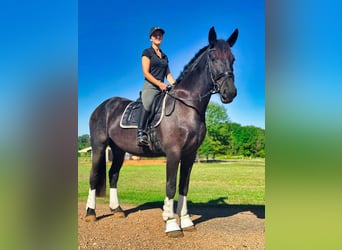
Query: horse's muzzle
pixel 228 96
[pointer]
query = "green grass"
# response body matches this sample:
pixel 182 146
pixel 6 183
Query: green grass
pixel 232 182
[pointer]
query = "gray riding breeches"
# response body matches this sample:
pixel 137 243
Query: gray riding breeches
pixel 149 91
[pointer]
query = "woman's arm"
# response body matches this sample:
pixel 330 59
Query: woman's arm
pixel 169 77
pixel 146 70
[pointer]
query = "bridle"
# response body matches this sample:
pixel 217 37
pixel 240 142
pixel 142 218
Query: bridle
pixel 215 86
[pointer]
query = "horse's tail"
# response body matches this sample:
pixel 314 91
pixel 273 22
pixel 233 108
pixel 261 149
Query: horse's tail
pixel 98 178
pixel 99 142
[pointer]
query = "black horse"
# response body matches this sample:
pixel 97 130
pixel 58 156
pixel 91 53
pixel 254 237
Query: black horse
pixel 180 133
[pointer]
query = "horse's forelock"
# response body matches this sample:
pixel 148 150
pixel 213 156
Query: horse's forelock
pixel 222 47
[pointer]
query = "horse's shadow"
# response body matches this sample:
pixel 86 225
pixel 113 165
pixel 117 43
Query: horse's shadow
pixel 217 208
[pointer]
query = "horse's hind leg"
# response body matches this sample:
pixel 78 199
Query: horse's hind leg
pixel 118 158
pixel 97 180
pixel 182 209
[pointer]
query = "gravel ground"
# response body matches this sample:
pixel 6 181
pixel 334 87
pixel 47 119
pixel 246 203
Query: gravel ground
pixel 219 227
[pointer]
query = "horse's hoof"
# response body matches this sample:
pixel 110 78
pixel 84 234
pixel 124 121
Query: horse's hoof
pixel 118 212
pixel 91 215
pixel 187 224
pixel 172 229
pixel 175 234
pixel 189 229
pixel 90 218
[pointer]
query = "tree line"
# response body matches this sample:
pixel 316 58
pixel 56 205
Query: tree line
pixel 224 138
pixel 83 141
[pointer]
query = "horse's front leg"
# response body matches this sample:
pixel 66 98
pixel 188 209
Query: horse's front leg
pixel 182 208
pixel 172 228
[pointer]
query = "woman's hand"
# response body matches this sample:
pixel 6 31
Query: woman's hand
pixel 162 86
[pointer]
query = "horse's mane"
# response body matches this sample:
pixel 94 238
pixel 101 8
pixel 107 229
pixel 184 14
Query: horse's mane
pixel 188 67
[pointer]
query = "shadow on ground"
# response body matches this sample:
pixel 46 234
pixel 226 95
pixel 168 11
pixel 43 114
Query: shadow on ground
pixel 217 208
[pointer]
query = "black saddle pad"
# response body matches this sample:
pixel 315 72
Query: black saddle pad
pixel 130 117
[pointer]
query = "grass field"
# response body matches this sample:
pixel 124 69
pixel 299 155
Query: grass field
pixel 230 182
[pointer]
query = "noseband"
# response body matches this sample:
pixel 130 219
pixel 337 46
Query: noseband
pixel 215 85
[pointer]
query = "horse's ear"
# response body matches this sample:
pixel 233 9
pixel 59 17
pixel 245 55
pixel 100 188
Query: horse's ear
pixel 233 37
pixel 212 36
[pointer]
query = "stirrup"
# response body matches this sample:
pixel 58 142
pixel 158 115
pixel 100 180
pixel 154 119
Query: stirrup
pixel 142 139
pixel 142 142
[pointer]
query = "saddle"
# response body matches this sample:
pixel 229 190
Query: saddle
pixel 131 114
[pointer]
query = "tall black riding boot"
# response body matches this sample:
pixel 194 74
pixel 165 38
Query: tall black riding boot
pixel 142 136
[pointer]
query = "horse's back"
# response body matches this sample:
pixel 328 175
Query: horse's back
pixel 98 123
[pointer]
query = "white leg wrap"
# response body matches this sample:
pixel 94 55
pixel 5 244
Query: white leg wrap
pixel 182 208
pixel 171 225
pixel 182 211
pixel 113 198
pixel 185 221
pixel 91 203
pixel 168 209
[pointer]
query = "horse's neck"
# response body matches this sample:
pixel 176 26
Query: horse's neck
pixel 195 90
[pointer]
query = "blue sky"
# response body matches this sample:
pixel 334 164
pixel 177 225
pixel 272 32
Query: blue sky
pixel 38 104
pixel 112 35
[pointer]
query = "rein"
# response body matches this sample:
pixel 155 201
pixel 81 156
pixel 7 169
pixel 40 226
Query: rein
pixel 200 97
pixel 215 86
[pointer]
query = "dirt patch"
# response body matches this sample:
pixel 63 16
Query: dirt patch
pixel 218 227
pixel 143 162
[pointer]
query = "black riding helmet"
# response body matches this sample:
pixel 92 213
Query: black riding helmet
pixel 155 28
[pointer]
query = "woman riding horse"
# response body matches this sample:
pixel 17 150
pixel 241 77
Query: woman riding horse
pixel 155 66
pixel 181 131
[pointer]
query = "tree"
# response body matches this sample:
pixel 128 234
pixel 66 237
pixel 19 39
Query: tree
pixel 215 141
pixel 215 114
pixel 227 138
pixel 210 147
pixel 83 141
pixel 247 140
pixel 233 129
